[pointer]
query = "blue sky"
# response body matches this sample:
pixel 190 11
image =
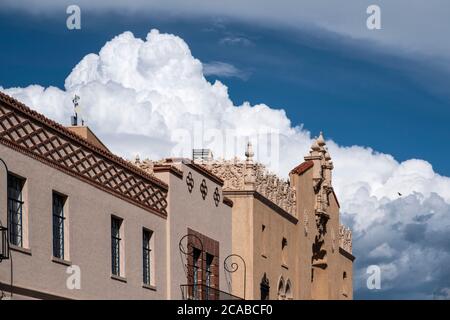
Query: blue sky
pixel 356 92
pixel 359 90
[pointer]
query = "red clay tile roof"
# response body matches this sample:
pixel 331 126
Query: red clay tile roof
pixel 303 167
pixel 100 168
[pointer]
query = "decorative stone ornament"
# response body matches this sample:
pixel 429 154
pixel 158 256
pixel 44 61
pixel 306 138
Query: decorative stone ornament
pixel 246 175
pixel 190 182
pixel 305 222
pixel 204 189
pixel 216 197
pixel 345 238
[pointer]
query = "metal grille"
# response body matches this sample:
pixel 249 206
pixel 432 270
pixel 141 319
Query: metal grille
pixel 146 252
pixel 58 225
pixel 208 273
pixel 15 210
pixel 196 271
pixel 204 292
pixel 34 135
pixel 4 249
pixel 115 246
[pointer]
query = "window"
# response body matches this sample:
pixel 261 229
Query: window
pixel 281 291
pixel 146 255
pixel 116 223
pixel 196 272
pixel 284 244
pixel 15 209
pixel 263 240
pixel 288 290
pixel 265 287
pixel 58 225
pixel 209 274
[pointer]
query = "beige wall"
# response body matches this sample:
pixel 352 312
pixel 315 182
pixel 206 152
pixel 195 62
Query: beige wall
pixel 243 244
pixel 189 210
pixel 268 255
pixel 328 283
pixel 262 251
pixel 89 238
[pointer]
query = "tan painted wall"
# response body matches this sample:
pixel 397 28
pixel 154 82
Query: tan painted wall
pixel 328 283
pixel 263 254
pixel 242 243
pixel 89 213
pixel 268 255
pixel 189 210
pixel 262 251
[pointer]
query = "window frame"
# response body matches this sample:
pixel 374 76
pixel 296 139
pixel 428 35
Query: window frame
pixel 116 239
pixel 59 233
pixel 16 229
pixel 147 259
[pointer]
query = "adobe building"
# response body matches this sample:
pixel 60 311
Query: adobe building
pixel 199 216
pixel 78 222
pixel 288 232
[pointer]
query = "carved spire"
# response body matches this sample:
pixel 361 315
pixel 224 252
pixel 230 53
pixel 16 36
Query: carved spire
pixel 137 160
pixel 320 140
pixel 249 153
pixel 249 176
pixel 315 146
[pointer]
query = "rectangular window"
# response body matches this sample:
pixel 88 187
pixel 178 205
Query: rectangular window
pixel 58 225
pixel 115 245
pixel 15 209
pixel 146 255
pixel 196 273
pixel 209 276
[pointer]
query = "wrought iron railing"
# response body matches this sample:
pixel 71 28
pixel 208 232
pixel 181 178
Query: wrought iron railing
pixel 203 292
pixel 4 245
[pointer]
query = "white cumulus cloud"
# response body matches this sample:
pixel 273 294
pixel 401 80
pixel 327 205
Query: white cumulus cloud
pixel 145 96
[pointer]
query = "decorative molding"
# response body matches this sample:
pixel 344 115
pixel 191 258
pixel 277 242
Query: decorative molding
pixel 264 200
pixel 204 189
pixel 205 172
pixel 190 182
pixel 32 134
pixel 227 201
pixel 246 175
pixel 216 197
pixel 347 254
pixel 345 238
pixel 305 222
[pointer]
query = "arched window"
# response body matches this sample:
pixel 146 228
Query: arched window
pixel 281 292
pixel 288 291
pixel 265 287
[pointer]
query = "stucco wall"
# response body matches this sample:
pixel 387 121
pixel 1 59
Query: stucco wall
pixel 268 255
pixel 328 283
pixel 89 213
pixel 189 210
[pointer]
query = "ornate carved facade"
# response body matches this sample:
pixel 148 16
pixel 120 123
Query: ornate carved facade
pixel 247 175
pixel 345 238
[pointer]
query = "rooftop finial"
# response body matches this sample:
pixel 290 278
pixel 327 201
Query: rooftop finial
pixel 315 146
pixel 321 140
pixel 249 152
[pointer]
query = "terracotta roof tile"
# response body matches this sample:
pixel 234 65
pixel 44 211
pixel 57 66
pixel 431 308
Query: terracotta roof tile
pixel 303 167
